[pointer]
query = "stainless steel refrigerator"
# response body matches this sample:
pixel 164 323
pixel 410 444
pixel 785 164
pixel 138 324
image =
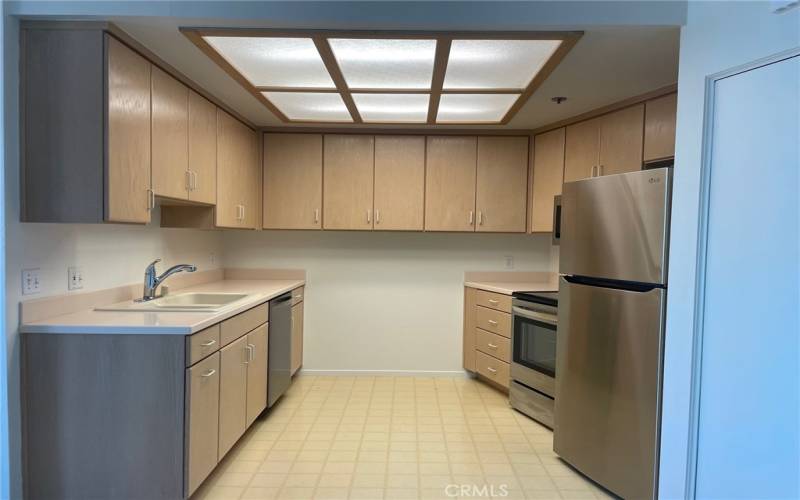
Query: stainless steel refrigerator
pixel 612 303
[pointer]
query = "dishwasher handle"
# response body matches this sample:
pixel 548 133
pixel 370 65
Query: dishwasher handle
pixel 282 298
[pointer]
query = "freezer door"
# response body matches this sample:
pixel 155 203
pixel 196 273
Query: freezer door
pixel 608 365
pixel 617 226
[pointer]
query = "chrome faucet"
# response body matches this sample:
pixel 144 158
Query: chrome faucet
pixel 151 281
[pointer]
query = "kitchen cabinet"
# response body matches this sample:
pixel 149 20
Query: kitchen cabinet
pixel 297 337
pixel 238 174
pixel 501 184
pixel 469 328
pixel 292 181
pixel 451 167
pixel 348 173
pixel 202 149
pixel 582 150
pixel 170 136
pixel 399 183
pixel 256 373
pixel 487 335
pixel 202 420
pixel 548 176
pixel 492 344
pixel 493 369
pixel 232 394
pixel 659 127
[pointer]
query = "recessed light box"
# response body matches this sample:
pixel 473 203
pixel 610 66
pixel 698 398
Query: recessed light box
pixel 392 108
pixel 385 64
pixel 274 62
pixel 478 108
pixel 310 106
pixel 496 64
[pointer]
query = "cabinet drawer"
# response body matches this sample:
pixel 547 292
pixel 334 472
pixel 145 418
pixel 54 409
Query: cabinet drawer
pixel 494 300
pixel 201 344
pixel 493 345
pixel 492 368
pixel 233 328
pixel 493 321
pixel 297 295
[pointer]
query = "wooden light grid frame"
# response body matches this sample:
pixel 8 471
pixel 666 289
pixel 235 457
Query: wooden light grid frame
pixel 443 42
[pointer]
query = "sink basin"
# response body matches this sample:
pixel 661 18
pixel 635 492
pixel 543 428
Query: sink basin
pixel 182 302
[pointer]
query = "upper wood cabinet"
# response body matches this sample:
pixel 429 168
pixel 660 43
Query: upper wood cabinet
pixel 348 170
pixel 451 164
pixel 548 175
pixel 399 183
pixel 238 174
pixel 582 153
pixel 502 184
pixel 202 149
pixel 292 181
pixel 170 136
pixel 659 127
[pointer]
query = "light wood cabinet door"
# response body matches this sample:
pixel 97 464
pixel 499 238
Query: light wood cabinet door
pixel 659 127
pixel 292 181
pixel 470 306
pixel 238 176
pixel 232 394
pixel 621 141
pixel 128 150
pixel 297 337
pixel 202 149
pixel 348 171
pixel 399 183
pixel 251 213
pixel 582 151
pixel 202 421
pixel 502 184
pixel 170 135
pixel 548 176
pixel 256 373
pixel 451 164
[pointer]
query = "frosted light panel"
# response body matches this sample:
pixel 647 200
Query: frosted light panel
pixel 274 62
pixel 385 64
pixel 314 106
pixel 484 108
pixel 403 108
pixel 496 64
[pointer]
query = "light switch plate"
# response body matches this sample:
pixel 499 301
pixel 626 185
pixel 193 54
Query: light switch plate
pixel 31 281
pixel 74 278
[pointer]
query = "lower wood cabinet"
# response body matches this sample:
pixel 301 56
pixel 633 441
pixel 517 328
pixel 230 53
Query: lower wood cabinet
pixel 487 335
pixel 256 373
pixel 297 337
pixel 232 394
pixel 202 421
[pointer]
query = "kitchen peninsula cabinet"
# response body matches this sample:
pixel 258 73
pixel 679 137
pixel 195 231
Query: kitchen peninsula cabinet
pixel 292 181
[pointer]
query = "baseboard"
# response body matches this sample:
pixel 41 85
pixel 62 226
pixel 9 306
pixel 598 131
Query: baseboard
pixel 384 373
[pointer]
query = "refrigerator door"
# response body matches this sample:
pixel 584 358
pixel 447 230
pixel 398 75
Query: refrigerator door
pixel 617 226
pixel 608 384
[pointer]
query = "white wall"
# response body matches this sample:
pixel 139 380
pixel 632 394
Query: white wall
pixel 717 36
pixel 385 301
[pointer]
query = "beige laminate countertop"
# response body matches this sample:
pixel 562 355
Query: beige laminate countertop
pixel 509 287
pixel 165 323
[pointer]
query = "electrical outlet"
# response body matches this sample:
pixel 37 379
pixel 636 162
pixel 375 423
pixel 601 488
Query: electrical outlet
pixel 74 278
pixel 509 262
pixel 31 281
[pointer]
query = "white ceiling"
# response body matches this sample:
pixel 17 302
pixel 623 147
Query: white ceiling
pixel 608 64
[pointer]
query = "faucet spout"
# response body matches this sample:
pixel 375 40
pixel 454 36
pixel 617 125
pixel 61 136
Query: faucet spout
pixel 152 282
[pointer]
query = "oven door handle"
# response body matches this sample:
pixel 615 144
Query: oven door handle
pixel 537 316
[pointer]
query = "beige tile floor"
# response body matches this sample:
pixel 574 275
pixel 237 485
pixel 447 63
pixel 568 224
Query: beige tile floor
pixel 394 438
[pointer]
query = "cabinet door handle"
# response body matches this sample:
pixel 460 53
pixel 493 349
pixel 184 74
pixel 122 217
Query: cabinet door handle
pixel 491 346
pixel 592 174
pixel 480 217
pixel 188 180
pixel 471 217
pixel 193 180
pixel 493 322
pixel 316 215
pixel 369 216
pixel 209 343
pixel 248 351
pixel 243 208
pixel 151 199
pixel 491 369
pixel 252 351
pixel 209 373
pixel 600 170
pixel 377 216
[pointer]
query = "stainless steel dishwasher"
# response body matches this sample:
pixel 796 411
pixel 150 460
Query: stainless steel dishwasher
pixel 279 376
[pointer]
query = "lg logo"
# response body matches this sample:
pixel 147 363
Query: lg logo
pixel 474 490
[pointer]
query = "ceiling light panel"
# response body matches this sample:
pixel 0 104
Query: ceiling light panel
pixel 274 62
pixel 474 108
pixel 496 64
pixel 385 64
pixel 310 106
pixel 392 108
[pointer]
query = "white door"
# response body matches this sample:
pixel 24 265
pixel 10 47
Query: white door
pixel 748 428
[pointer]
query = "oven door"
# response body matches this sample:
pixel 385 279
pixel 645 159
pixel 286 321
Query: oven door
pixel 534 349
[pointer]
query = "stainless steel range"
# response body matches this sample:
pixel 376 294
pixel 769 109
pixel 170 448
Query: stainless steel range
pixel 533 353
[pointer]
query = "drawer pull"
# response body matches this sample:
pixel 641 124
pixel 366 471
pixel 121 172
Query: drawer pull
pixel 209 373
pixel 298 296
pixel 491 369
pixel 491 346
pixel 209 343
pixel 493 322
pixel 494 302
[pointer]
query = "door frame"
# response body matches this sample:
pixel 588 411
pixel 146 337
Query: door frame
pixel 702 254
